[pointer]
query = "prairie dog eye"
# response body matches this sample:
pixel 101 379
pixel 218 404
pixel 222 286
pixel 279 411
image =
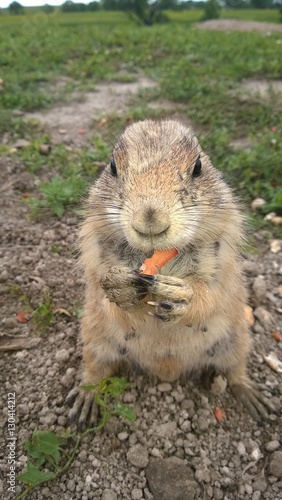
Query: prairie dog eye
pixel 197 168
pixel 113 168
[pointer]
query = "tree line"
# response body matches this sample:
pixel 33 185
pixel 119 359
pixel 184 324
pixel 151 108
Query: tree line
pixel 158 5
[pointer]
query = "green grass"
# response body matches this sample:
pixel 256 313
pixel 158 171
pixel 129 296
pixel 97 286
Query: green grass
pixel 260 15
pixel 263 15
pixel 202 70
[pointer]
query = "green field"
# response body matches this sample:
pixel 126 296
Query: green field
pixel 203 70
pixel 35 14
pixel 264 15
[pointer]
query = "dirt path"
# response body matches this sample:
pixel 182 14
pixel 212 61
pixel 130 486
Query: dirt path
pixel 175 449
pixel 238 25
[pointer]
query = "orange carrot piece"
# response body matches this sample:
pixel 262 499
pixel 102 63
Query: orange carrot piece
pixel 158 260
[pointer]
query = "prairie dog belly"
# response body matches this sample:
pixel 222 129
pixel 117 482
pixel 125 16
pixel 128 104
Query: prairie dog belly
pixel 168 351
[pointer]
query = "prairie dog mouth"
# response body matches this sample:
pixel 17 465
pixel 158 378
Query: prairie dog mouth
pixel 151 235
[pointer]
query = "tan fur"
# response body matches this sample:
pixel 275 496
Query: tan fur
pixel 155 203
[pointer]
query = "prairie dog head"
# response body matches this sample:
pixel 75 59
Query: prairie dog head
pixel 161 191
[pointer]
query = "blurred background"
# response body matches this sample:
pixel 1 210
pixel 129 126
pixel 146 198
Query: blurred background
pixel 73 75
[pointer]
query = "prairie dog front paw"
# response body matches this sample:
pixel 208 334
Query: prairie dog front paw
pixel 121 289
pixel 171 296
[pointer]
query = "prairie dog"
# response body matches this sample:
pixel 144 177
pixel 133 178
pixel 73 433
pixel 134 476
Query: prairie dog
pixel 160 191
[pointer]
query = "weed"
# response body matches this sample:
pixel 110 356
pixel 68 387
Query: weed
pixel 51 455
pixel 42 316
pixel 58 194
pixel 77 310
pixel 106 392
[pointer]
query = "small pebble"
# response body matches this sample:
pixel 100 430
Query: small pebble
pixel 257 203
pixel 256 495
pixel 164 387
pixel 272 445
pixel 109 495
pixel 264 317
pixel 259 289
pixel 123 436
pixel 136 494
pixel 248 489
pixel 138 455
pixel 275 464
pixel 62 355
pixel 219 385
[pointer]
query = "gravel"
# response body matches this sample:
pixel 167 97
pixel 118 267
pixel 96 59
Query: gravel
pixel 175 449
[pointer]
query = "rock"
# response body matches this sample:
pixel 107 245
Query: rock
pixel 68 378
pixel 241 448
pixel 4 276
pixel 219 385
pixel 109 495
pixel 123 436
pixel 148 495
pixel 264 317
pixel 171 478
pixel 138 455
pixel 257 328
pixel 156 453
pixel 136 494
pixel 272 445
pixel 260 484
pixel 257 203
pixel 203 423
pixel 45 149
pixel 164 387
pixel 218 493
pixel 253 449
pixel 256 495
pixel 269 216
pixel 275 246
pixel 203 474
pixel 62 355
pixel 166 429
pixel 275 464
pixel 259 289
pixel 248 489
pixel 21 143
pixel 277 221
pixel 129 398
pixel 274 363
pixel 49 234
pixel 250 267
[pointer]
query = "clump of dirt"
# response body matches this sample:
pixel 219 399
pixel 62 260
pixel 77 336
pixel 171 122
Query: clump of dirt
pixel 238 25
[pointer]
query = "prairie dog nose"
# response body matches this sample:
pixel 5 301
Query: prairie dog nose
pixel 150 221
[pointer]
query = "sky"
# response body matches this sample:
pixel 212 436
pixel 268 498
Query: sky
pixel 34 3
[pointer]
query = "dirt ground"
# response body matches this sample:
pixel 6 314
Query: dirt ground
pixel 238 25
pixel 176 449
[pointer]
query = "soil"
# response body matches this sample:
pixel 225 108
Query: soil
pixel 66 121
pixel 176 449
